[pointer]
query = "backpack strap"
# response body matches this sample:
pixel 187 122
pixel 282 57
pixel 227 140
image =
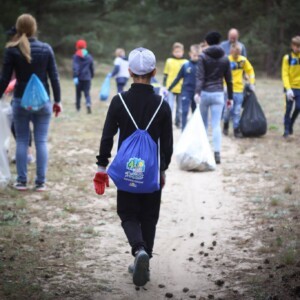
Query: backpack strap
pixel 161 102
pixel 127 110
pixel 290 58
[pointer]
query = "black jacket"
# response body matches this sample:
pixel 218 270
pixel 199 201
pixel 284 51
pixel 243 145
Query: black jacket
pixel 83 67
pixel 142 102
pixel 213 66
pixel 42 64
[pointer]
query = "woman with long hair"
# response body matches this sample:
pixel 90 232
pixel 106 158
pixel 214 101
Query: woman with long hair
pixel 26 55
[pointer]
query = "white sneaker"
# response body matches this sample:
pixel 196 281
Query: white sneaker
pixel 20 186
pixel 40 187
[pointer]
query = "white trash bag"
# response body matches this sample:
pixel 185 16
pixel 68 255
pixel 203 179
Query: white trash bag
pixel 193 152
pixel 4 144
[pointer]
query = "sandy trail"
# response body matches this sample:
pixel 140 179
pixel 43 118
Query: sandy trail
pixel 195 209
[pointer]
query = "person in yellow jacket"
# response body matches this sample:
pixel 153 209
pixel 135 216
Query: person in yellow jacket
pixel 290 73
pixel 172 68
pixel 239 65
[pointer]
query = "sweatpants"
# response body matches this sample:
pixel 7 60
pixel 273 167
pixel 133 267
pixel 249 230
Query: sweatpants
pixel 139 215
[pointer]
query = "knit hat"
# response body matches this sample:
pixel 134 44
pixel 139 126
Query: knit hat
pixel 141 61
pixel 213 38
pixel 81 44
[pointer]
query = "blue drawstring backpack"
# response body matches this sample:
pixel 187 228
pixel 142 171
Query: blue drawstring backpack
pixel 136 167
pixel 105 88
pixel 35 95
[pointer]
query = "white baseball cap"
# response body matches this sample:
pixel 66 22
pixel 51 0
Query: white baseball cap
pixel 141 61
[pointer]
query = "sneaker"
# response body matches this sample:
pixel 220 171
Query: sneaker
pixel 30 159
pixel 40 187
pixel 89 110
pixel 140 273
pixel 237 133
pixel 285 134
pixel 217 158
pixel 20 186
pixel 131 268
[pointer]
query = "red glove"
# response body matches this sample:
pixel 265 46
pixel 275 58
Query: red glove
pixel 229 103
pixel 57 108
pixel 100 180
pixel 162 179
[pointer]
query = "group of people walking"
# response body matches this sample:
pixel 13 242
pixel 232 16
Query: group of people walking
pixel 199 80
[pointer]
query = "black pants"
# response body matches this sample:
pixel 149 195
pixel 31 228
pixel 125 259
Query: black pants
pixel 83 86
pixel 139 214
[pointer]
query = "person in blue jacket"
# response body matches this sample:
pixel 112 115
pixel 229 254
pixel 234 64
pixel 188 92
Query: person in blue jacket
pixel 188 73
pixel 83 72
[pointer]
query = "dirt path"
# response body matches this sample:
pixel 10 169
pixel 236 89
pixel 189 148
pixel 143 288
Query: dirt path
pixel 214 233
pixel 197 224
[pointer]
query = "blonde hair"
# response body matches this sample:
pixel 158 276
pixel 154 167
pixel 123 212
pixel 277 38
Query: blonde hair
pixel 177 46
pixel 26 27
pixel 236 48
pixel 195 48
pixel 119 52
pixel 296 40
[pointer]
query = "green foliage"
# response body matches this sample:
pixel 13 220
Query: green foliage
pixel 266 27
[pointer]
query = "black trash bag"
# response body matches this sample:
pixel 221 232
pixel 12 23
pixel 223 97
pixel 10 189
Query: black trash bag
pixel 253 122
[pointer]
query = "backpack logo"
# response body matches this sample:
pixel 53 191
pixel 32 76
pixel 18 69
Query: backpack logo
pixel 136 168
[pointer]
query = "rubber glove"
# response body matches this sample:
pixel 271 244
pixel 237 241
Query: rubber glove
pixel 197 98
pixel 290 94
pixel 162 179
pixel 229 103
pixel 101 180
pixel 57 108
pixel 76 81
pixel 252 87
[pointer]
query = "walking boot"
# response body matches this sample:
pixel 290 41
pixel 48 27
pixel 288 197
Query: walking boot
pixel 217 158
pixel 225 128
pixel 89 110
pixel 237 133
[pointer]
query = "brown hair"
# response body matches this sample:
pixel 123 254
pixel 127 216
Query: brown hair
pixel 26 27
pixel 178 46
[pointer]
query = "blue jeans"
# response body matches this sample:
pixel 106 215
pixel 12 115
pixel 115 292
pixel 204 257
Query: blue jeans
pixel 83 86
pixel 171 97
pixel 121 82
pixel 290 117
pixel 186 100
pixel 234 112
pixel 213 102
pixel 41 121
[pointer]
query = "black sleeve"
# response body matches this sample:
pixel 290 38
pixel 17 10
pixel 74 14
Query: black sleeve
pixel 109 130
pixel 200 75
pixel 166 139
pixel 7 71
pixel 165 79
pixel 92 67
pixel 53 75
pixel 228 79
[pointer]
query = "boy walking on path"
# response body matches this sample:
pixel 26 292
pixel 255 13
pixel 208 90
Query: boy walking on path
pixel 291 81
pixel 188 74
pixel 238 64
pixel 138 212
pixel 172 67
pixel 83 72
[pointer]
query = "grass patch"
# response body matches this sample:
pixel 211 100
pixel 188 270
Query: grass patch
pixel 289 256
pixel 70 209
pixel 21 203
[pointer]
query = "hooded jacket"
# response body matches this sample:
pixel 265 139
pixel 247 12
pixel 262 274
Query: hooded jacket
pixel 83 65
pixel 212 67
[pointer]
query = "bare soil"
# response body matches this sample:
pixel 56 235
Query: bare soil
pixel 228 234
